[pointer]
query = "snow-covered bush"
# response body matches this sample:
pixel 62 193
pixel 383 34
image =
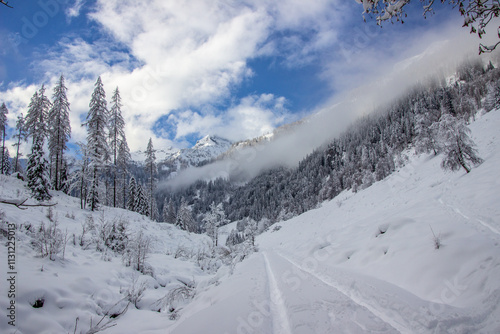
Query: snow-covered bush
pixel 134 292
pixel 49 240
pixel 176 299
pixel 136 253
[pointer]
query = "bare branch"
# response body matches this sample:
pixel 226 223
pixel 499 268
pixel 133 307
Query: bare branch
pixel 5 3
pixel 20 203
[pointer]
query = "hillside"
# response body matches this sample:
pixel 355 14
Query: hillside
pixel 367 262
pixel 363 262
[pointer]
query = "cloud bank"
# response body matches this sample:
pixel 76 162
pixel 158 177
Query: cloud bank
pixel 430 57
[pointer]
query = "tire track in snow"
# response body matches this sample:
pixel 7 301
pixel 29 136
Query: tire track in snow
pixel 356 299
pixel 458 212
pixel 281 324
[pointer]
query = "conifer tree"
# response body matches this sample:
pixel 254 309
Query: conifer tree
pixel 141 204
pixel 78 180
pixel 132 194
pixel 97 145
pixel 38 113
pixel 116 136
pixel 59 132
pixel 3 126
pixel 150 166
pixel 185 218
pixel 6 165
pixel 21 135
pixel 122 168
pixel 36 172
pixel 169 215
pixel 213 219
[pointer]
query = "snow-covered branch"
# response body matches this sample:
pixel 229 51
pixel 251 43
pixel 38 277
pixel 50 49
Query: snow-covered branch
pixel 21 203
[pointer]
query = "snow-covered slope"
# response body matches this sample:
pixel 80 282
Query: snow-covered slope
pixel 83 284
pixel 364 262
pixel 367 262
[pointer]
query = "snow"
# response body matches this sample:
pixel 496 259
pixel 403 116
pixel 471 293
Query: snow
pixel 364 262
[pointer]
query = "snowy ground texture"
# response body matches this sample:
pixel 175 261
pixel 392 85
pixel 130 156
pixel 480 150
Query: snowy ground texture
pixel 365 262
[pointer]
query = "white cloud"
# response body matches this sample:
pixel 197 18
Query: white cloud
pixel 74 11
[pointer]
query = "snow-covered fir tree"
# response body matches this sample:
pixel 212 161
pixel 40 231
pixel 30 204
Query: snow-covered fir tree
pixel 6 166
pixel 20 136
pixel 213 220
pixel 234 238
pixel 59 132
pixel 122 162
pixel 37 171
pixel 184 218
pixel 141 203
pixel 151 171
pixel 169 214
pixel 116 126
pixel 3 127
pixel 132 194
pixel 97 145
pixel 37 115
pixel 251 229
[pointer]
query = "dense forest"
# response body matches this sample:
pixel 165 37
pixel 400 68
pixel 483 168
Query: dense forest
pixel 430 118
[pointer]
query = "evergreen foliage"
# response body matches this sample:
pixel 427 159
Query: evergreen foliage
pixel 151 171
pixel 132 194
pixel 37 172
pixel 59 132
pixel 20 136
pixel 97 146
pixel 117 140
pixel 3 129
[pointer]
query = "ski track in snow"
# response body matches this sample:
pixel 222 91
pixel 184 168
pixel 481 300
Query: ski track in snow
pixel 362 303
pixel 457 211
pixel 281 324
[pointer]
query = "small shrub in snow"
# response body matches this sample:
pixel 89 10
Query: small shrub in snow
pixel 137 251
pixel 134 292
pixel 234 238
pixel 176 298
pixel 70 215
pixel 49 240
pixel 276 228
pixel 436 239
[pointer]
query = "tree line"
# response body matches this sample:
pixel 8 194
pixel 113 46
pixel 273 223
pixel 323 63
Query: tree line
pixel 429 119
pixel 100 173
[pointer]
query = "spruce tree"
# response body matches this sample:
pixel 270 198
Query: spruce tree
pixel 132 194
pixel 116 136
pixel 21 135
pixel 59 132
pixel 123 160
pixel 169 215
pixel 38 113
pixel 151 170
pixel 3 126
pixel 6 165
pixel 97 146
pixel 36 171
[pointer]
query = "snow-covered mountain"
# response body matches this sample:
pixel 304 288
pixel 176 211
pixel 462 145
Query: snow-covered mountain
pixel 205 150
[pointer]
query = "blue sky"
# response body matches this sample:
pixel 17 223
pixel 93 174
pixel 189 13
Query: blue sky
pixel 185 69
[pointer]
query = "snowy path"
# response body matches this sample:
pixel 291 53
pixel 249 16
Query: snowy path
pixel 304 303
pixel 278 309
